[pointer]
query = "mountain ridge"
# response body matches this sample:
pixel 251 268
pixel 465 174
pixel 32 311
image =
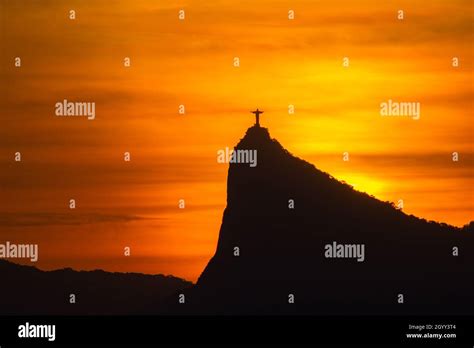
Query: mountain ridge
pixel 282 215
pixel 27 289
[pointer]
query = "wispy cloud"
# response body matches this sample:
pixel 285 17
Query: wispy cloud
pixel 47 218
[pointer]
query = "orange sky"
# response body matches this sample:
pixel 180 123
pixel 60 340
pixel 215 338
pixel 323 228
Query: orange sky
pixel 190 62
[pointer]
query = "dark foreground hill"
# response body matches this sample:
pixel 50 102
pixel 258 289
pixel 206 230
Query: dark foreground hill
pixel 409 264
pixel 27 290
pixel 273 255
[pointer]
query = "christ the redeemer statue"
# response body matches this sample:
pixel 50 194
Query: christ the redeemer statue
pixel 257 114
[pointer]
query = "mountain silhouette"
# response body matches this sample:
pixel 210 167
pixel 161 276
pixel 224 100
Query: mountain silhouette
pixel 280 265
pixel 26 290
pixel 272 256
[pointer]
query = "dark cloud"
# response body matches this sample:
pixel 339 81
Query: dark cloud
pixel 46 219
